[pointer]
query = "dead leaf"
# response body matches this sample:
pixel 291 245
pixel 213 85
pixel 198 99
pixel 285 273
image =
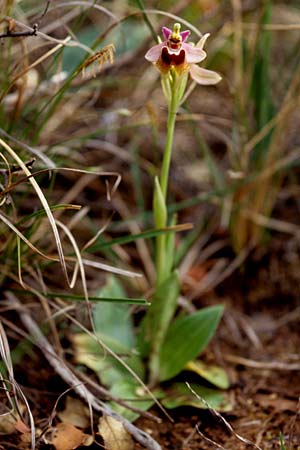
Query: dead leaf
pixel 88 440
pixel 26 439
pixel 276 402
pixel 22 427
pixel 114 434
pixel 75 413
pixel 66 437
pixel 214 374
pixel 7 424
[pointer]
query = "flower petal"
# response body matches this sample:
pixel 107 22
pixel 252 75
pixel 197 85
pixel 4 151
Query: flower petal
pixel 202 41
pixel 204 76
pixel 185 34
pixel 153 54
pixel 166 32
pixel 193 54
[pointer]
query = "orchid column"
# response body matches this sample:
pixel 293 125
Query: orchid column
pixel 175 59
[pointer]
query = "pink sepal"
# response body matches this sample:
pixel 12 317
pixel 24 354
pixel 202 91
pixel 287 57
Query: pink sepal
pixel 185 34
pixel 166 32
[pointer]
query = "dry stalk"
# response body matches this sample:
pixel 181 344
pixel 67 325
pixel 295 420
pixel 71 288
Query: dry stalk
pixel 220 417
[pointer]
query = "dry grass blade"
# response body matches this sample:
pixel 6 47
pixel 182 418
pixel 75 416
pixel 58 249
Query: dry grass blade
pixel 220 271
pixel 272 224
pixel 6 358
pixel 53 413
pixel 30 177
pixel 108 268
pixel 219 416
pixel 73 192
pixel 35 151
pixel 31 66
pixel 17 391
pixel 292 428
pixel 79 262
pixel 208 439
pixel 8 177
pixel 21 236
pixel 263 365
pixel 43 202
pixel 86 5
pixel 238 45
pixel 174 17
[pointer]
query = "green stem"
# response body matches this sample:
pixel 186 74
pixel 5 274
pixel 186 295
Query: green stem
pixel 164 285
pixel 161 265
pixel 146 18
pixel 160 259
pixel 173 108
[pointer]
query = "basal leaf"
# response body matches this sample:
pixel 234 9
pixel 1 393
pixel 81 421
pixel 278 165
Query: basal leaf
pixel 163 304
pixel 186 338
pixel 180 395
pixel 111 319
pixel 131 392
pixel 214 374
pixel 89 352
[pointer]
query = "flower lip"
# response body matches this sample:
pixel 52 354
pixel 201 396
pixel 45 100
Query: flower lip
pixel 174 59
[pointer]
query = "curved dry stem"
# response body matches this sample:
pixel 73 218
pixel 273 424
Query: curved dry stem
pixel 221 418
pixel 95 264
pixel 44 203
pixel 79 261
pixel 35 151
pixel 34 64
pixel 8 178
pixel 6 358
pixel 91 241
pixel 67 169
pixel 108 268
pixel 86 5
pixel 176 18
pixel 24 239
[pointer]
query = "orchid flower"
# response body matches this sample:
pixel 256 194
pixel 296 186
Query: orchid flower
pixel 175 54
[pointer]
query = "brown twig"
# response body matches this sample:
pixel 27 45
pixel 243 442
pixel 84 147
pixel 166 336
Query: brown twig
pixel 220 417
pixel 15 34
pixel 272 365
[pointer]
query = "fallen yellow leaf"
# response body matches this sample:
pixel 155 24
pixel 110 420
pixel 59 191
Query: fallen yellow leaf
pixel 75 413
pixel 114 434
pixel 66 437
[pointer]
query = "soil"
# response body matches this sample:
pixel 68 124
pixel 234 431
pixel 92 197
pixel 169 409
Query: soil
pixel 257 343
